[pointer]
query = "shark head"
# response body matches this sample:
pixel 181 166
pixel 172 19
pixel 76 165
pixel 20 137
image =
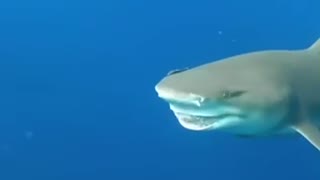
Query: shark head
pixel 235 95
pixel 259 93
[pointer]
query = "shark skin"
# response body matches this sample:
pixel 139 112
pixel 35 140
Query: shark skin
pixel 260 93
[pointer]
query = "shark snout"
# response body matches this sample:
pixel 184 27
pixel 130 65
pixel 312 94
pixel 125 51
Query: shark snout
pixel 174 95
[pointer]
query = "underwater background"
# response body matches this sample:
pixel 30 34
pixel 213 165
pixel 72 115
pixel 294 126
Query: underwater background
pixel 77 98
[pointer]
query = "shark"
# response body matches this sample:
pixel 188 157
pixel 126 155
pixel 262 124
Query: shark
pixel 254 94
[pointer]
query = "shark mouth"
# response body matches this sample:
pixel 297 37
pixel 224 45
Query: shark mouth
pixel 197 123
pixel 200 119
pixel 201 123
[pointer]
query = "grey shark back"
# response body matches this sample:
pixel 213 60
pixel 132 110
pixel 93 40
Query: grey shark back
pixel 259 93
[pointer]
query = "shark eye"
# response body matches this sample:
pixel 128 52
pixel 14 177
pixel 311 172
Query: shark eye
pixel 230 94
pixel 175 71
pixel 226 94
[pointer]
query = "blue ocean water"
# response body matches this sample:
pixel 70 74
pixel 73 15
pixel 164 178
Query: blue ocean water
pixel 77 88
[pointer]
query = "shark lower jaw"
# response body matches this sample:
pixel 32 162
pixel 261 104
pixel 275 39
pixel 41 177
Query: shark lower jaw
pixel 203 123
pixel 245 123
pixel 207 117
pixel 196 123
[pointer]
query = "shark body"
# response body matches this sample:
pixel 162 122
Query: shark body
pixel 261 93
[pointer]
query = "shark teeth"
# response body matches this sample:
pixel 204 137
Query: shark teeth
pixel 200 123
pixel 195 122
pixel 199 117
pixel 196 125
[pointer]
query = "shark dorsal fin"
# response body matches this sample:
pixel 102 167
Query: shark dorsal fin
pixel 315 47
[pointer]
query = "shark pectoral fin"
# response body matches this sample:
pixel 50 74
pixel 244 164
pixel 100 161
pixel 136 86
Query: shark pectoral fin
pixel 315 47
pixel 309 131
